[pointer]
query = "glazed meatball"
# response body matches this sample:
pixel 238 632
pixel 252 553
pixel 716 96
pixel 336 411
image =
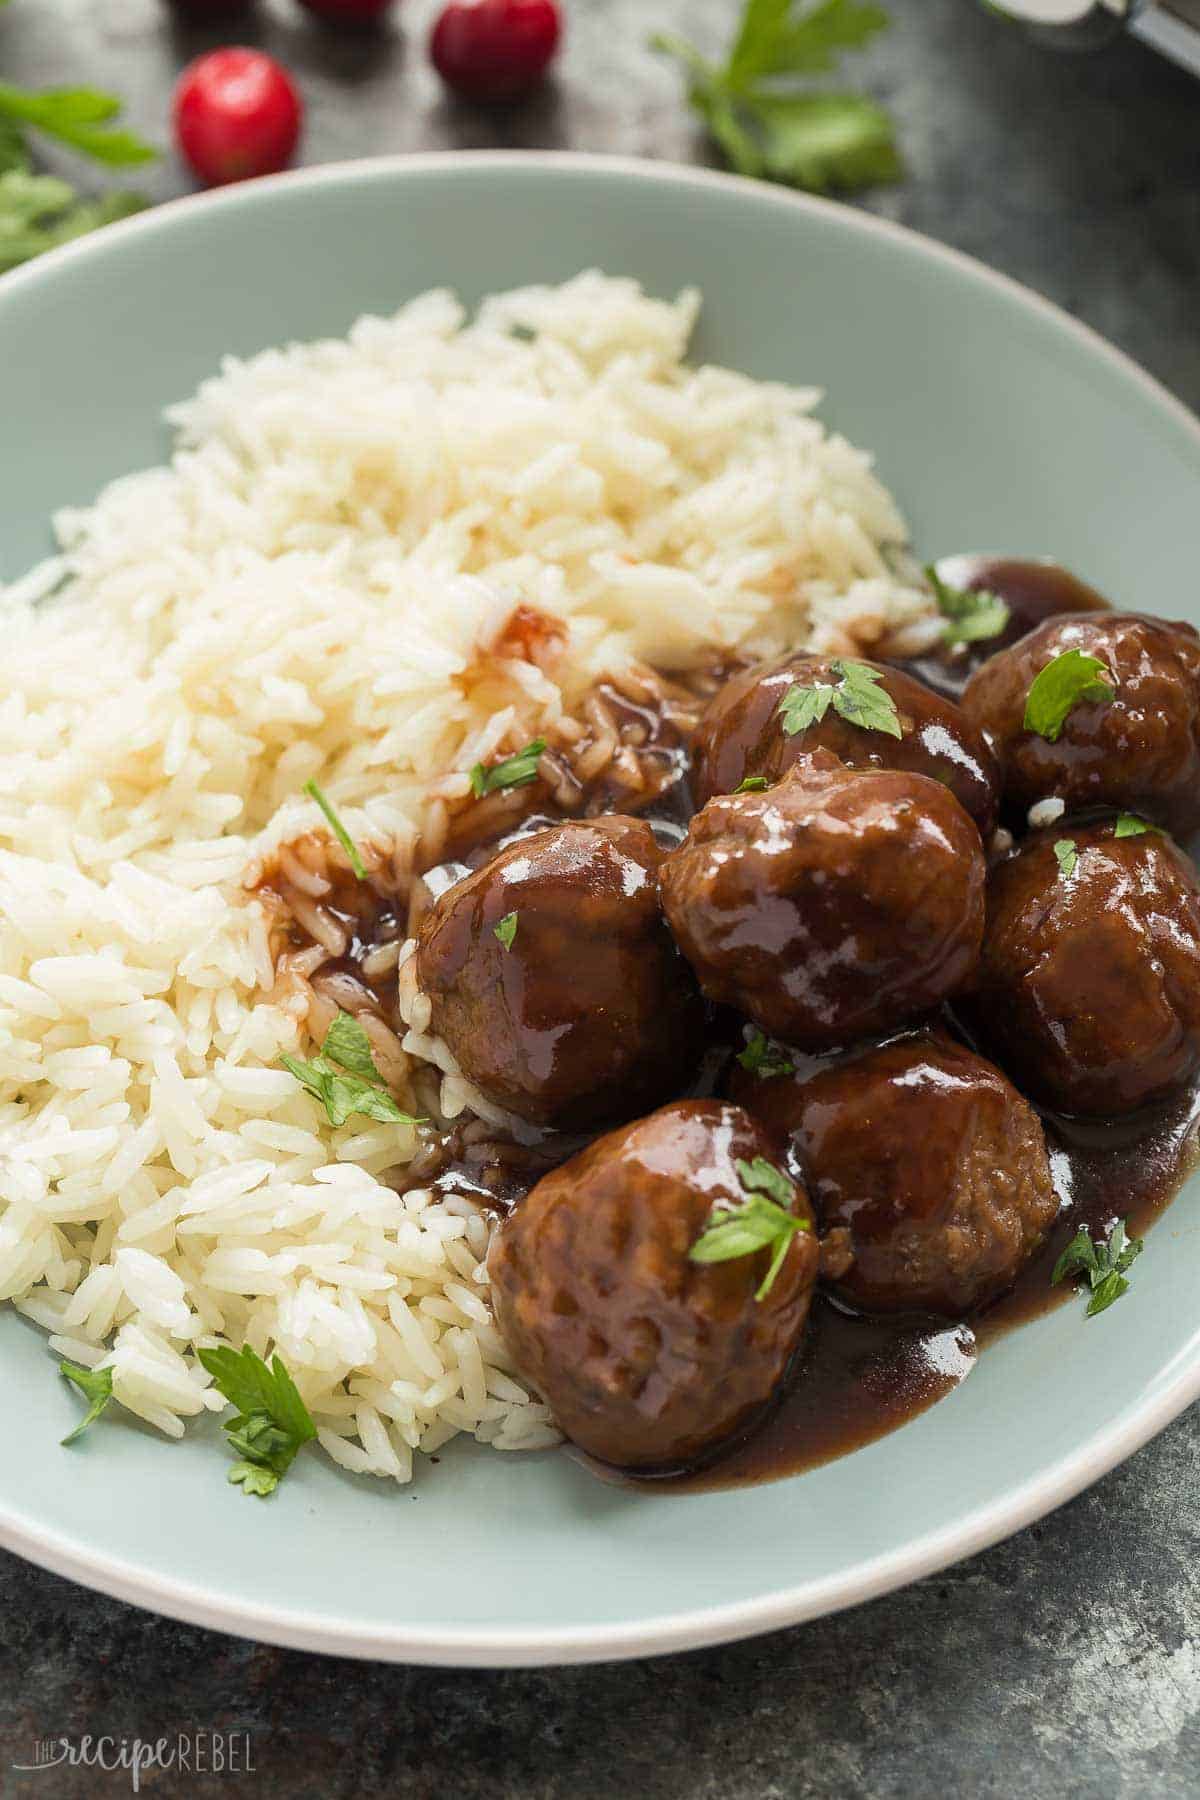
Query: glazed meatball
pixel 839 904
pixel 927 1158
pixel 1033 591
pixel 742 734
pixel 554 981
pixel 647 1359
pixel 1140 750
pixel 1088 990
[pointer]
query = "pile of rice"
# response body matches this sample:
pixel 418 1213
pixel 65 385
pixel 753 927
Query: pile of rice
pixel 307 591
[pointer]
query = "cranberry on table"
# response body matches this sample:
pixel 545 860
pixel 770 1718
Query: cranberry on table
pixel 495 49
pixel 237 114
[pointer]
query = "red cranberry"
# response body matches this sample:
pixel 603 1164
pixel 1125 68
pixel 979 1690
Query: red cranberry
pixel 237 114
pixel 347 12
pixel 495 49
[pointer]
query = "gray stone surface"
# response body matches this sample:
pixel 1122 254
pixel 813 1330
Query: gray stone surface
pixel 1064 1662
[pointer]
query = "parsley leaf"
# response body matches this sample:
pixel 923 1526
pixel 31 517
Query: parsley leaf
pixel 1067 855
pixel 38 212
pixel 1129 825
pixel 767 123
pixel 344 1077
pixel 514 771
pixel 970 617
pixel 80 117
pixel 1062 685
pixel 822 141
pixel 96 1385
pixel 506 930
pixel 753 784
pixel 856 697
pixel 763 1058
pixel 339 830
pixel 1104 1264
pixel 763 1220
pixel 272 1422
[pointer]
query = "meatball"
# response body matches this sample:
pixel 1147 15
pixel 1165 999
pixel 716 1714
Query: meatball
pixel 841 903
pixel 931 1162
pixel 647 1359
pixel 554 981
pixel 1089 985
pixel 1140 750
pixel 742 734
pixel 1032 590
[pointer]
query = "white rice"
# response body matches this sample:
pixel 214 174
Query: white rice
pixel 304 592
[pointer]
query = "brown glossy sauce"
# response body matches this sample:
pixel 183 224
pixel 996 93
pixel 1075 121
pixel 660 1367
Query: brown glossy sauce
pixel 857 1378
pixel 1033 591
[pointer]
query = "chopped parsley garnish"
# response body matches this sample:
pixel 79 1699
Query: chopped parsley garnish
pixel 506 930
pixel 753 784
pixel 1063 684
pixel 339 830
pixel 1104 1264
pixel 763 1058
pixel 272 1421
pixel 1129 825
pixel 856 696
pixel 970 617
pixel 344 1077
pixel 96 1385
pixel 1067 854
pixel 763 1220
pixel 514 771
pixel 767 120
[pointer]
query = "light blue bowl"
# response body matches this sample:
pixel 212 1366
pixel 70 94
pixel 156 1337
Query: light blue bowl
pixel 1001 425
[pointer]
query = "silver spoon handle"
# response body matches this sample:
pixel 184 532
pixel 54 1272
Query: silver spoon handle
pixel 1070 24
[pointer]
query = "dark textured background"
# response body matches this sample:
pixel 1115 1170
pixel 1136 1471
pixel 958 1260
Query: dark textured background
pixel 1064 1662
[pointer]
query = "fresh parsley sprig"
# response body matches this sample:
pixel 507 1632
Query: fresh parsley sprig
pixel 767 120
pixel 343 1077
pixel 506 930
pixel 763 1058
pixel 971 617
pixel 763 1220
pixel 38 212
pixel 272 1422
pixel 1129 825
pixel 753 784
pixel 96 1386
pixel 1104 1264
pixel 1065 683
pixel 855 696
pixel 79 117
pixel 514 771
pixel 339 830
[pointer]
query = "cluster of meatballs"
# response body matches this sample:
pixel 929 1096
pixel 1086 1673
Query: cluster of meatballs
pixel 844 911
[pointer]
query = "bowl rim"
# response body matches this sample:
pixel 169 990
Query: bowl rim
pixel 499 1647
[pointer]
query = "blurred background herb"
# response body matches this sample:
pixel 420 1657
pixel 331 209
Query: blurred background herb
pixel 38 211
pixel 760 107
